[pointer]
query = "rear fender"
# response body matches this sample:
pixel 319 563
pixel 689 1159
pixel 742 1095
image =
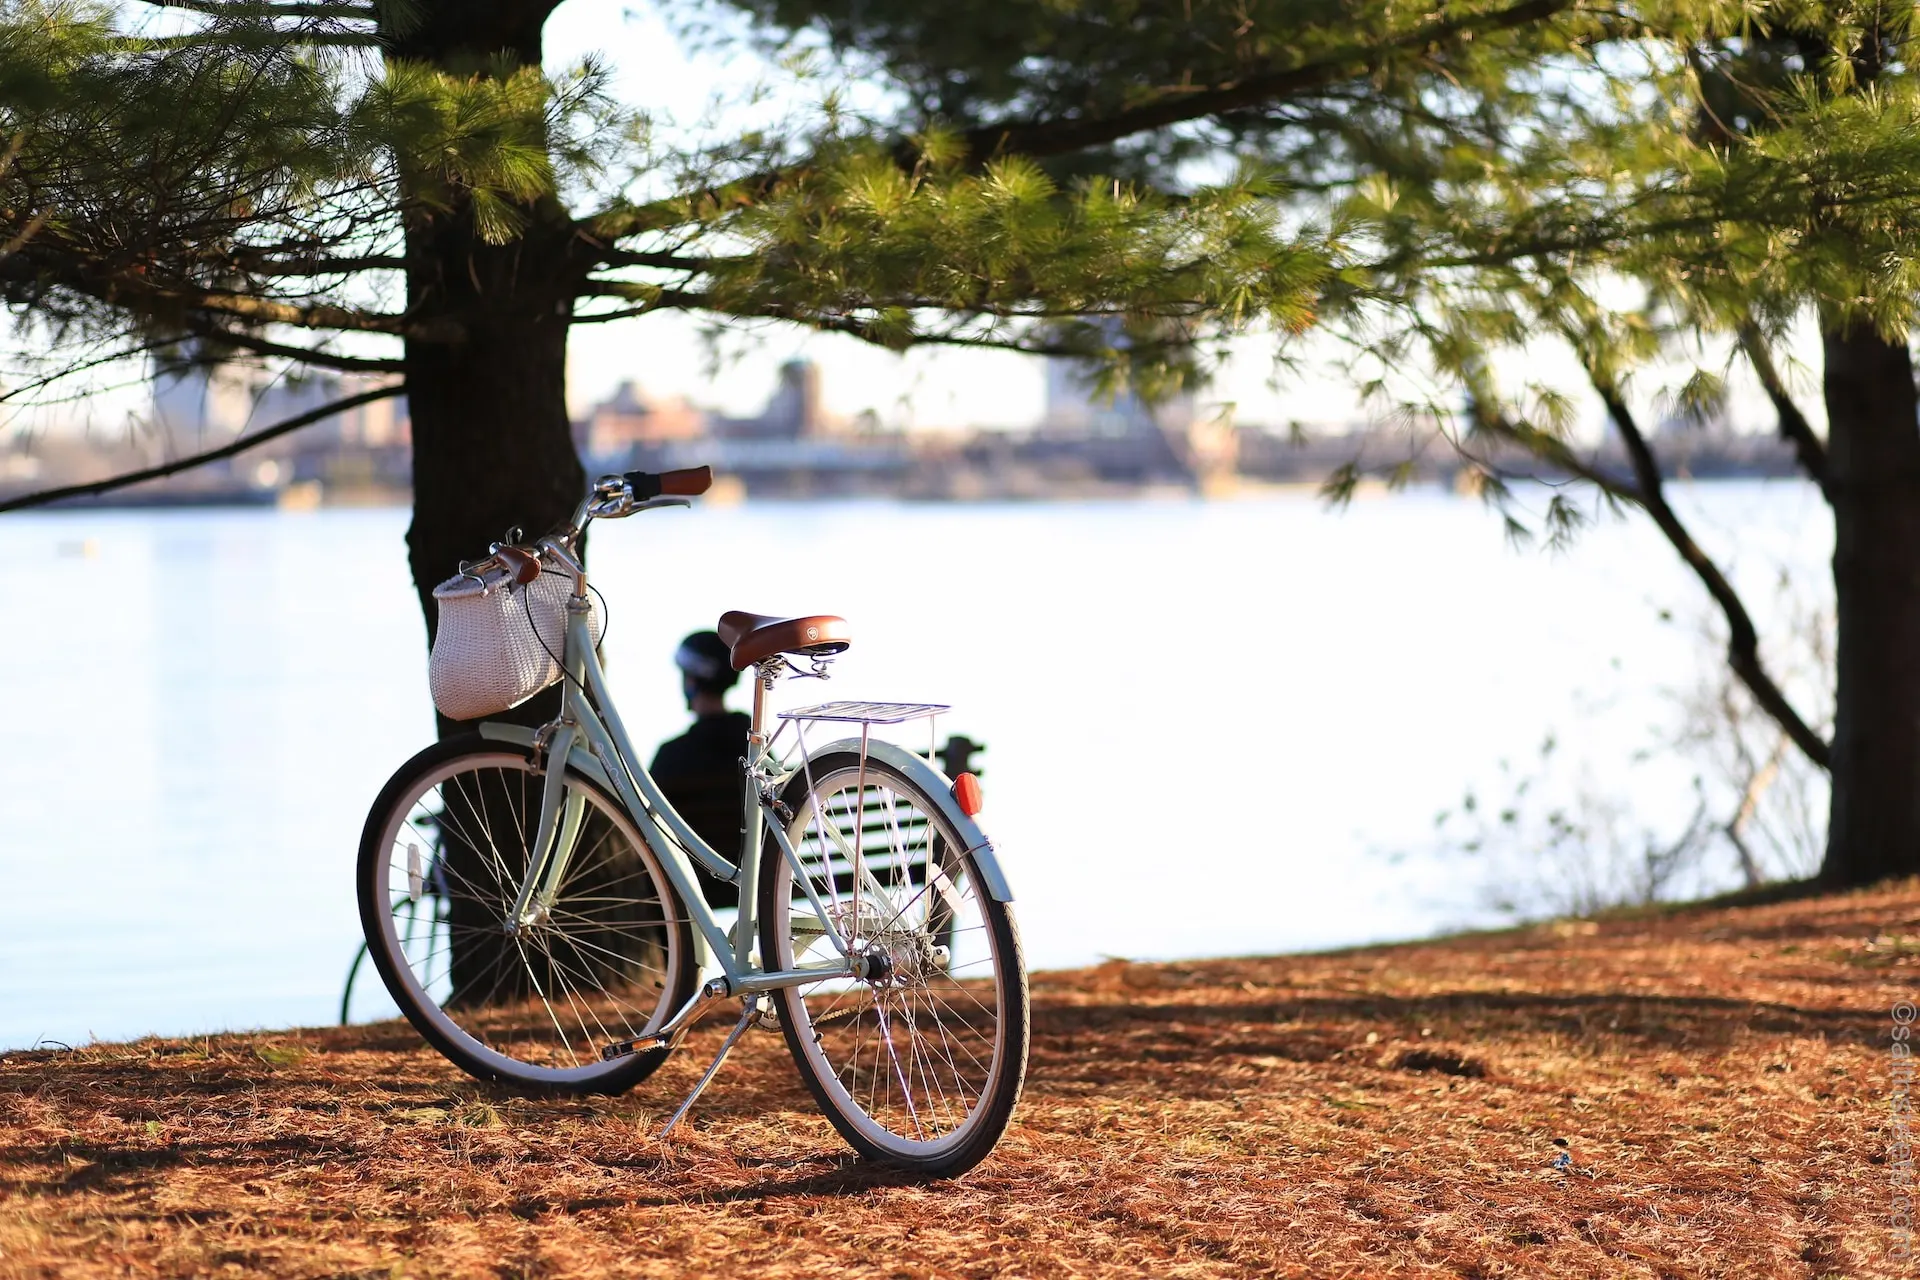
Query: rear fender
pixel 940 787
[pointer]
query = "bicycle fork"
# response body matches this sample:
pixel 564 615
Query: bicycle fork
pixel 555 836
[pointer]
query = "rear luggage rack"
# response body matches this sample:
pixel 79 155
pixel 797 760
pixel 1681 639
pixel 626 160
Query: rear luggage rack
pixel 867 712
pixel 866 715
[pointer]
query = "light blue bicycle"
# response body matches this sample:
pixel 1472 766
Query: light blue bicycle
pixel 530 900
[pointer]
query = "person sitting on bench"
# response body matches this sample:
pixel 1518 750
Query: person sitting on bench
pixel 699 771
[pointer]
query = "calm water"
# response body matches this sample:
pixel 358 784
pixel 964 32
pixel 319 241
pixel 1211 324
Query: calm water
pixel 1205 722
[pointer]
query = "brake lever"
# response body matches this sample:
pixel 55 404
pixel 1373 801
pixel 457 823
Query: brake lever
pixel 620 505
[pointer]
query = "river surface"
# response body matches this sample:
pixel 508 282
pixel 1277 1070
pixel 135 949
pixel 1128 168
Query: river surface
pixel 1207 724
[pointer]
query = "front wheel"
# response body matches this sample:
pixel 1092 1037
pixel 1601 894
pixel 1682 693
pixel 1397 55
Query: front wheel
pixel 605 955
pixel 919 1061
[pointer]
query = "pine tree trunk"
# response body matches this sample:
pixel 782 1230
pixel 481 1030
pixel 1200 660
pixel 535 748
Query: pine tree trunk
pixel 1874 485
pixel 492 445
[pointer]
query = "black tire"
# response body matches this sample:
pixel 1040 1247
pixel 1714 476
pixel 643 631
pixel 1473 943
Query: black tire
pixel 616 951
pixel 929 920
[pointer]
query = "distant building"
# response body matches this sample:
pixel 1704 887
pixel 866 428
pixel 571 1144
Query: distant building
pixel 198 403
pixel 792 446
pixel 214 405
pixel 626 421
pixel 793 412
pixel 1074 408
pixel 367 445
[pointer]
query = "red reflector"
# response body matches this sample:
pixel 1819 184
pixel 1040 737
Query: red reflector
pixel 966 794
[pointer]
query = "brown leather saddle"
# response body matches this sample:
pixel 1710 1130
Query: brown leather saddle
pixel 754 636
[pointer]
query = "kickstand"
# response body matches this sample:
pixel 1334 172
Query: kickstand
pixel 726 1046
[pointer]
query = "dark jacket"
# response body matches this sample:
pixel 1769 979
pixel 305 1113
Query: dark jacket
pixel 699 773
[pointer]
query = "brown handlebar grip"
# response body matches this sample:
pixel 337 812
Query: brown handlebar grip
pixel 523 566
pixel 688 483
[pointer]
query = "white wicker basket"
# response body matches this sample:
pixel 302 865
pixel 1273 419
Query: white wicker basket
pixel 486 657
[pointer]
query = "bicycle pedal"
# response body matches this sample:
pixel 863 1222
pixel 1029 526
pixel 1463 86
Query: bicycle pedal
pixel 622 1048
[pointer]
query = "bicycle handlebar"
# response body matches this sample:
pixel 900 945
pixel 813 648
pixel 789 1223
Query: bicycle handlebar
pixel 614 496
pixel 689 482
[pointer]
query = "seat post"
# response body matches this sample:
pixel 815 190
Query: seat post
pixel 763 678
pixel 751 818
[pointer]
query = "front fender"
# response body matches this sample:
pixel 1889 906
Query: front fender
pixel 579 759
pixel 940 788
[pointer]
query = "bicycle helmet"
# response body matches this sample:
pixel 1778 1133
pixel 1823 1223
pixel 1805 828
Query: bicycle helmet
pixel 706 661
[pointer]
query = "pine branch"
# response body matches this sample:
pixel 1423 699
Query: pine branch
pixel 612 257
pixel 305 355
pixel 1555 452
pixel 228 450
pixel 269 9
pixel 318 266
pixel 1794 427
pixel 1057 137
pixel 266 310
pixel 891 339
pixel 1743 641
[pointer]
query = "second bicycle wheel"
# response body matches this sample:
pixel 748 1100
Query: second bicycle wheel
pixel 526 1003
pixel 920 1060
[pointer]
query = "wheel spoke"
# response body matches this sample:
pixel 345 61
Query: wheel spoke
pixel 608 958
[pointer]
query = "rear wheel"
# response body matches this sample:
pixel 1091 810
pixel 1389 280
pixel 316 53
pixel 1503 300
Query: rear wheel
pixel 920 1060
pixel 528 1005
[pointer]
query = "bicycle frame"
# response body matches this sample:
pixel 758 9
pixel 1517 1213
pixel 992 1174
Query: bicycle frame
pixel 590 736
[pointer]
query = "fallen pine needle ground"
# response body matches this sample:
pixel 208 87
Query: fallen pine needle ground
pixel 1703 1092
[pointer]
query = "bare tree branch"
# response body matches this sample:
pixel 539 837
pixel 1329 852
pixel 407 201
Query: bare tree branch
pixel 31 266
pixel 1743 641
pixel 1758 781
pixel 1794 427
pixel 220 40
pixel 318 316
pixel 27 231
pixel 69 370
pixel 228 450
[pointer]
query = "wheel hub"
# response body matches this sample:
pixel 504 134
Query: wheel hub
pixel 902 958
pixel 876 967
